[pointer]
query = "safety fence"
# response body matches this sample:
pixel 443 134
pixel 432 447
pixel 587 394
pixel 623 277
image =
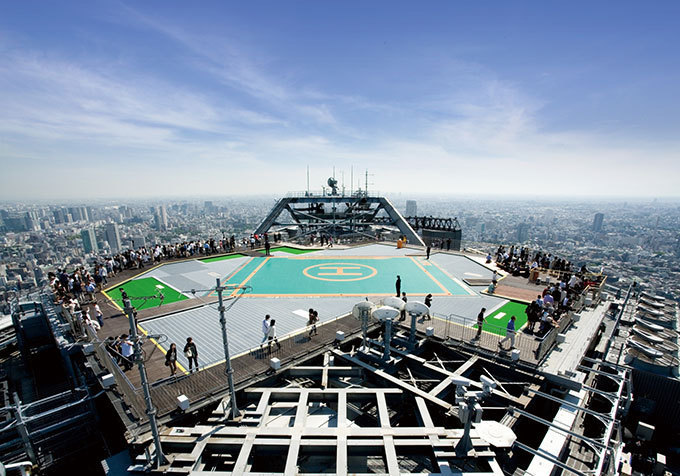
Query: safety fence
pixel 463 331
pixel 209 381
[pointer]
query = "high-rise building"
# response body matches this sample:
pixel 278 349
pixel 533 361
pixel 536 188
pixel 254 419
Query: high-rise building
pixel 59 216
pixel 75 213
pixel 89 240
pixel 31 221
pixel 411 208
pixel 522 232
pixel 597 222
pixel 113 237
pixel 90 213
pixel 83 214
pixel 161 218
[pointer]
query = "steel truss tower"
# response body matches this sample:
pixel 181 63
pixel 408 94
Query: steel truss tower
pixel 340 216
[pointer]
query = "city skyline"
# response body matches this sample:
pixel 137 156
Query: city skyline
pixel 129 100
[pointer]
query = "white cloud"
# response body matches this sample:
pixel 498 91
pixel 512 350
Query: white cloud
pixel 256 132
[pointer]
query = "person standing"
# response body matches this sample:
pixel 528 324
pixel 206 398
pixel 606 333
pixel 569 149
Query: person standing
pixel 480 322
pixel 509 334
pixel 265 329
pixel 267 247
pixel 398 285
pixel 171 359
pixel 126 350
pixel 313 319
pixel 428 303
pixel 191 353
pixel 427 252
pixel 98 314
pixel 272 336
pixel 402 317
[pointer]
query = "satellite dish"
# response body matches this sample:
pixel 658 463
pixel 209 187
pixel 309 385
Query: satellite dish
pixel 384 313
pixel 496 434
pixel 333 184
pixel 394 302
pixel 362 307
pixel 417 308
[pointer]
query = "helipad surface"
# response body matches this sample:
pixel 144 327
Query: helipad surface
pixel 344 276
pixel 286 285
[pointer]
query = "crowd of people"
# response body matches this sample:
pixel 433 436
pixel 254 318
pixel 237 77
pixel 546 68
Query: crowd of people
pixel 76 290
pixel 519 261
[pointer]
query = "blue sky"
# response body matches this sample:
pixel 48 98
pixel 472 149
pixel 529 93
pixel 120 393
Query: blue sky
pixel 109 99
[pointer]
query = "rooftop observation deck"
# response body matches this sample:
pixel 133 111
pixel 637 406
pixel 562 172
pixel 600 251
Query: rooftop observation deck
pixel 453 322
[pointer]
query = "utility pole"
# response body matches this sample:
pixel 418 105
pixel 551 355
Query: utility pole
pixel 150 410
pixel 230 372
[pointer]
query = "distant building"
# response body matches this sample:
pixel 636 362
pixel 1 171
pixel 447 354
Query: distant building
pixel 411 208
pixel 138 241
pixel 76 213
pixel 161 219
pixel 522 232
pixel 597 222
pixel 39 275
pixel 113 237
pixel 89 240
pixel 59 216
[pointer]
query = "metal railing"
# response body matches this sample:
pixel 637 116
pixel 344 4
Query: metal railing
pixel 210 380
pixel 463 330
pixel 123 384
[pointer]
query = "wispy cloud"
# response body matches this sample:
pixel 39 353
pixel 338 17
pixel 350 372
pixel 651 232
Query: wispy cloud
pixel 255 123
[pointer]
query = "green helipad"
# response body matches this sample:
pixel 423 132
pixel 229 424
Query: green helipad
pixel 497 321
pixel 144 293
pixel 344 276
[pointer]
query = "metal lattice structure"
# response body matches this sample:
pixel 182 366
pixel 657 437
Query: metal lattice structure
pixel 340 216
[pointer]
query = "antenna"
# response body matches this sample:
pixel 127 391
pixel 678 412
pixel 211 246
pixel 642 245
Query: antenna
pixel 307 180
pixel 351 181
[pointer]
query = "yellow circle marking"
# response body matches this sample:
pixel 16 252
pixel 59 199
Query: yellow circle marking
pixel 341 271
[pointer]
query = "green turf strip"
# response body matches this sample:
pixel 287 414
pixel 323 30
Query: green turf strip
pixel 498 326
pixel 145 287
pixel 220 258
pixel 287 249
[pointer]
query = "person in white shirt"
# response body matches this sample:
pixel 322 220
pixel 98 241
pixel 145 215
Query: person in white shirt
pixel 98 314
pixel 265 329
pixel 126 350
pixel 271 337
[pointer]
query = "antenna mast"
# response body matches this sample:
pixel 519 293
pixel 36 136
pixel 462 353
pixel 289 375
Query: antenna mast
pixel 366 187
pixel 351 181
